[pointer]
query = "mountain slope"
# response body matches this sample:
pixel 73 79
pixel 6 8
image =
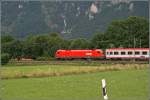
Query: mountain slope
pixel 69 18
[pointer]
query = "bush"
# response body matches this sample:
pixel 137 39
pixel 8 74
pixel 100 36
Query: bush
pixel 44 58
pixel 5 58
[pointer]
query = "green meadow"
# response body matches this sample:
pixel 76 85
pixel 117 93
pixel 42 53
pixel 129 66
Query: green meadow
pixel 122 84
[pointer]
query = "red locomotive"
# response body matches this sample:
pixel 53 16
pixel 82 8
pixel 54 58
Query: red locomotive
pixel 113 53
pixel 81 54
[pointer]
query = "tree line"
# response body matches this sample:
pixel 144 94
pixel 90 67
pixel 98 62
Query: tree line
pixel 132 32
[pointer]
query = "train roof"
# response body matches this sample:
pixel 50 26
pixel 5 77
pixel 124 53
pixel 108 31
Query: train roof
pixel 128 49
pixel 81 50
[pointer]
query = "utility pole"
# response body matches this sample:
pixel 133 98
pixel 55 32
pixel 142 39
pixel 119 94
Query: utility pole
pixel 134 42
pixel 134 47
pixel 140 43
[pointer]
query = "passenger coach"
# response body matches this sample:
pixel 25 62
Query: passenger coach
pixel 127 53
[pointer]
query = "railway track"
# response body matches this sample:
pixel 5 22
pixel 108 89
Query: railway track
pixel 77 62
pixel 124 62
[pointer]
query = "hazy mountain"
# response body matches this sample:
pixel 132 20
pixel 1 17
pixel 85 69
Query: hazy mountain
pixel 69 18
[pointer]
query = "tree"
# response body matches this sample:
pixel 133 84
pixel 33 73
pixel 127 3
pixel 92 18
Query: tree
pixel 6 39
pixel 43 45
pixel 34 46
pixel 5 58
pixel 6 42
pixel 99 41
pixel 132 32
pixel 42 42
pixel 55 42
pixel 16 49
pixel 79 44
pixel 11 46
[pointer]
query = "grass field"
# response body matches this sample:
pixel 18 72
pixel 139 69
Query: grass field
pixel 121 85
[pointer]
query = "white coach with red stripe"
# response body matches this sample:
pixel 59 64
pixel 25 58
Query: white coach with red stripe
pixel 128 53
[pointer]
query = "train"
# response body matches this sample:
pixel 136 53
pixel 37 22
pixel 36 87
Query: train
pixel 111 53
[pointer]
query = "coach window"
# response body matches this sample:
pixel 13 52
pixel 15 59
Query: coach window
pixel 137 52
pixel 111 53
pixel 107 53
pixel 144 53
pixel 123 53
pixel 130 53
pixel 115 53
